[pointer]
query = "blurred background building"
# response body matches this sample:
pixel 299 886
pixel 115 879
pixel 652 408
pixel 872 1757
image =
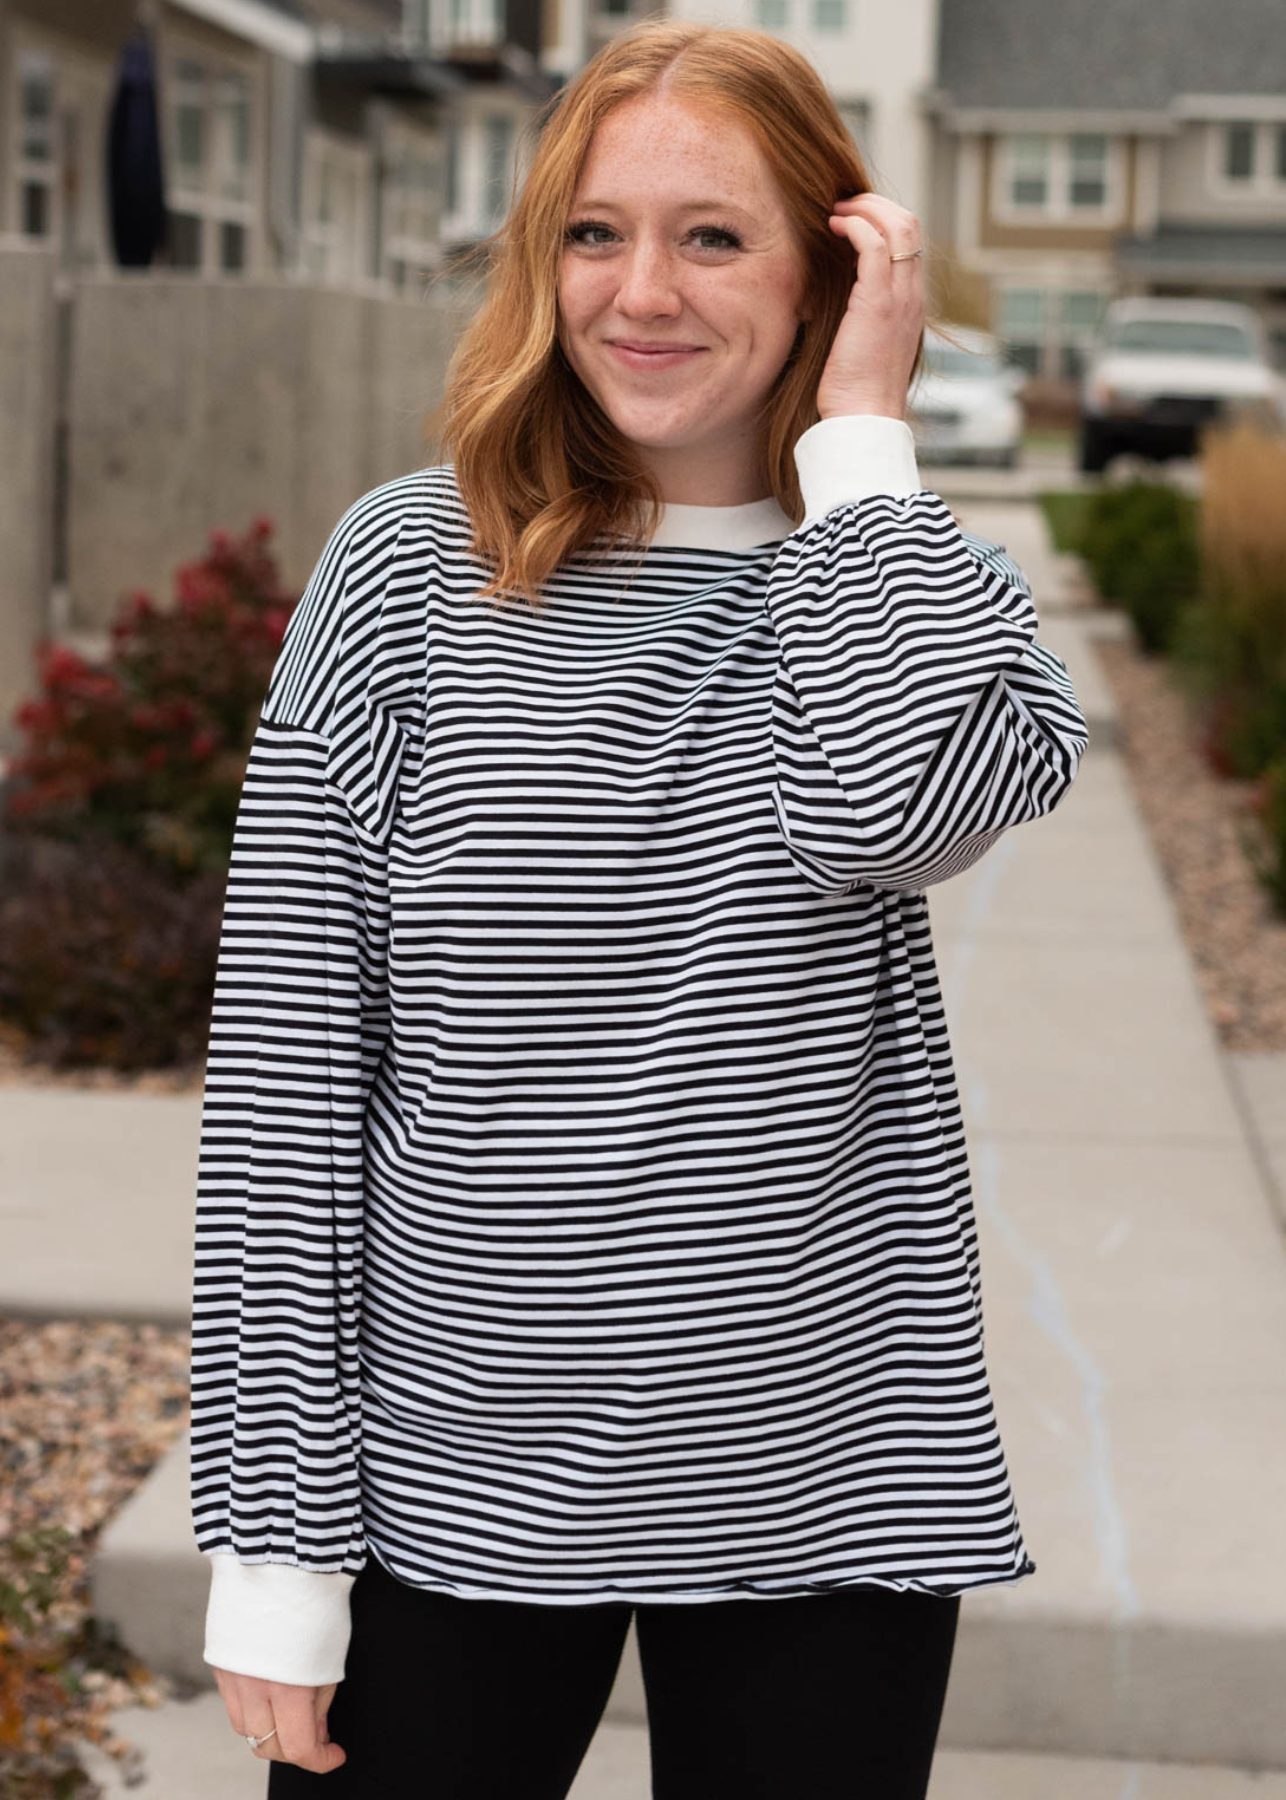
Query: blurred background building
pixel 1058 153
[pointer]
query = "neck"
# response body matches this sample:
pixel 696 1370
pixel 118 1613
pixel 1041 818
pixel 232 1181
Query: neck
pixel 689 476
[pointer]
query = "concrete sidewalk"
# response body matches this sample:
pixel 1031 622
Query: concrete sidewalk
pixel 192 1753
pixel 1134 1280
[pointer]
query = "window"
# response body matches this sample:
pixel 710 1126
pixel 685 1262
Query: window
pixel 1029 170
pixel 856 115
pixel 210 148
pixel 1049 331
pixel 412 210
pixel 35 165
pixel 1088 169
pixel 1248 157
pixel 499 140
pixel 772 15
pixel 829 15
pixel 336 184
pixel 1239 153
pixel 473 21
pixel 416 22
pixel 1021 326
pixel 1061 178
pixel 1080 318
pixel 1182 337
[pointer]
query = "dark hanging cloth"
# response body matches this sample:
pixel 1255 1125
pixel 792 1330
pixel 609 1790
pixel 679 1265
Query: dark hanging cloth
pixel 136 189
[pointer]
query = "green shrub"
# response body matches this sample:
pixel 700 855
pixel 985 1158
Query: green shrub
pixel 1142 546
pixel 1228 661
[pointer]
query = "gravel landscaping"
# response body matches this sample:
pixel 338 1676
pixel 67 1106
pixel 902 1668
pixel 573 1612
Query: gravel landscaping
pixel 1196 820
pixel 85 1411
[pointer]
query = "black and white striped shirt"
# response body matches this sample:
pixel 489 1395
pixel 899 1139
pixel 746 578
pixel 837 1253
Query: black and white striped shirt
pixel 583 1206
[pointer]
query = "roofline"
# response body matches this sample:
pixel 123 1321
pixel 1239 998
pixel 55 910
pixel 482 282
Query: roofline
pixel 258 24
pixel 1229 106
pixel 1047 118
pixel 1154 121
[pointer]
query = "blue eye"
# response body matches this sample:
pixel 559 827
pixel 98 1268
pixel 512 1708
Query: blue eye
pixel 579 234
pixel 576 234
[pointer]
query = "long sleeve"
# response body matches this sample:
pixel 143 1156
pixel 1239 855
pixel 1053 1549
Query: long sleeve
pixel 298 1026
pixel 914 717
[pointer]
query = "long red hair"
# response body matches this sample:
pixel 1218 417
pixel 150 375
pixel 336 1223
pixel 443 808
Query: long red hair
pixel 542 470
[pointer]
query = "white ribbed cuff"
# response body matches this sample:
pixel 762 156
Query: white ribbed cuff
pixel 851 455
pixel 277 1621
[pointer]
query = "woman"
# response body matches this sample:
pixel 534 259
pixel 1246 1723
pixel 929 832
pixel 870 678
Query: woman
pixel 584 1225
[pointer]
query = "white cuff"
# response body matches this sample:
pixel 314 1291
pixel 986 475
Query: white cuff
pixel 277 1621
pixel 851 455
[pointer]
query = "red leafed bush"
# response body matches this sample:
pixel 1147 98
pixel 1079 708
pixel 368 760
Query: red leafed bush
pixel 149 748
pixel 119 817
pixel 105 961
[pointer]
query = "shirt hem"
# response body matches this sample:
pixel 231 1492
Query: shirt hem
pixel 734 1590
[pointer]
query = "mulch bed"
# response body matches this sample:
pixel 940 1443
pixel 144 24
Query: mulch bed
pixel 1196 820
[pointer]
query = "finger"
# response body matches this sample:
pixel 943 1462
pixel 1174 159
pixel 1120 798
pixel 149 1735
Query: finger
pixel 879 206
pixel 872 247
pixel 232 1700
pixel 877 268
pixel 300 1734
pixel 900 228
pixel 261 1722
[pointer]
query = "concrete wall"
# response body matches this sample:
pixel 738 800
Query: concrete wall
pixel 197 405
pixel 27 373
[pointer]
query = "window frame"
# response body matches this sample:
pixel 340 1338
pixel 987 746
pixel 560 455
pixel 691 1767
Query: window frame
pixel 814 20
pixel 1264 181
pixel 34 171
pixel 404 248
pixel 351 267
pixel 212 208
pixel 1057 208
pixel 1053 336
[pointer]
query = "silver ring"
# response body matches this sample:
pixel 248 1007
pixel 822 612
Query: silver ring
pixel 902 255
pixel 255 1742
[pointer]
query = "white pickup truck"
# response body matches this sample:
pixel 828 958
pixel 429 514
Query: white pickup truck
pixel 1163 368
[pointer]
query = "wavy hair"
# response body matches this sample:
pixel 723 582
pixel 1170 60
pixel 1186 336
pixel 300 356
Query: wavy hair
pixel 541 468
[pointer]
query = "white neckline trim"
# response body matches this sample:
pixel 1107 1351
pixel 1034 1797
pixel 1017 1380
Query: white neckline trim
pixel 721 527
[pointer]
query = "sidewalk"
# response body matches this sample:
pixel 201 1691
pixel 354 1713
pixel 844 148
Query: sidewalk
pixel 1134 1280
pixel 192 1753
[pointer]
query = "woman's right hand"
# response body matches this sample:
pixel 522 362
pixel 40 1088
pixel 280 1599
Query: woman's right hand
pixel 255 1706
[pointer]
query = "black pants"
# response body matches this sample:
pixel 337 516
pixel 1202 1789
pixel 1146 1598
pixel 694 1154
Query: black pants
pixel 832 1696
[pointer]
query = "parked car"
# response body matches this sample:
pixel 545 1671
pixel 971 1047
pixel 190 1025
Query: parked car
pixel 1162 369
pixel 963 404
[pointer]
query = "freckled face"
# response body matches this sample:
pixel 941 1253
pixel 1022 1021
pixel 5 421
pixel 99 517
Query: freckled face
pixel 678 240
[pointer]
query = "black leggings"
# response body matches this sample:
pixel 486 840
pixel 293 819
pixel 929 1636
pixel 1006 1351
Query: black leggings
pixel 836 1696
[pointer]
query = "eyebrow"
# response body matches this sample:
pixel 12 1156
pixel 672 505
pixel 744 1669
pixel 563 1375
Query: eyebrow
pixel 687 206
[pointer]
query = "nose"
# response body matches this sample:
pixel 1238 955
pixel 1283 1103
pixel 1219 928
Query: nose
pixel 648 288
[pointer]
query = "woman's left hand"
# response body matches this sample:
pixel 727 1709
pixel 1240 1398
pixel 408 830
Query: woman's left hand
pixel 870 361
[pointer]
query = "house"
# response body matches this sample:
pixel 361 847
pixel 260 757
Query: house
pixel 1089 148
pixel 353 142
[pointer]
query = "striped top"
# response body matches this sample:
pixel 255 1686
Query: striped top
pixel 583 1205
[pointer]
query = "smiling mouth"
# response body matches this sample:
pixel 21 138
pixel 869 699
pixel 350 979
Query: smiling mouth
pixel 662 356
